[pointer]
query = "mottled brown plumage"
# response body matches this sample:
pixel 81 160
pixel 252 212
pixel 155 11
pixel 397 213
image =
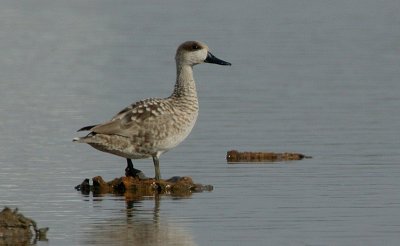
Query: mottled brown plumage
pixel 152 126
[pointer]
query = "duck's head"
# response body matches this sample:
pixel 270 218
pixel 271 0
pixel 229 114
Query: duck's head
pixel 194 52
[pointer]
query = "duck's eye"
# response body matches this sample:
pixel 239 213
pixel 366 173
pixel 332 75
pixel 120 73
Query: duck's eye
pixel 195 47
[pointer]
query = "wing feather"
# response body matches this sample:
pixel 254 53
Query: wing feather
pixel 138 117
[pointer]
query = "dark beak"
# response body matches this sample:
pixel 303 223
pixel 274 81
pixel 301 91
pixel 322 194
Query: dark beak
pixel 212 59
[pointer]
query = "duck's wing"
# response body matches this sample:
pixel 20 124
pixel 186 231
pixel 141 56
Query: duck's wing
pixel 138 117
pixel 86 128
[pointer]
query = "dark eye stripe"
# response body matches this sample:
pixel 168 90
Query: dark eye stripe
pixel 191 46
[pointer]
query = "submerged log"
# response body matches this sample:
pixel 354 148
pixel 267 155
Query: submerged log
pixel 233 156
pixel 16 229
pixel 177 186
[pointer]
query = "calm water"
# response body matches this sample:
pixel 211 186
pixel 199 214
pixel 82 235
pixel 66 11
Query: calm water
pixel 316 77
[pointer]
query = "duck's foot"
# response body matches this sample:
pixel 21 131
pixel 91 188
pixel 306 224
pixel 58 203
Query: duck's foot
pixel 136 173
pixel 130 171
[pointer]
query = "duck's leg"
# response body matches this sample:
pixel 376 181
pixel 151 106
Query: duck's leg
pixel 157 167
pixel 133 172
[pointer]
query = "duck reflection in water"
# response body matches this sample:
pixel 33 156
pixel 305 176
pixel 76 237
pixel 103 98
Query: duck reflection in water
pixel 137 225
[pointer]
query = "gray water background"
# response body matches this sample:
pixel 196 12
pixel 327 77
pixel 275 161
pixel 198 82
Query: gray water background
pixel 316 77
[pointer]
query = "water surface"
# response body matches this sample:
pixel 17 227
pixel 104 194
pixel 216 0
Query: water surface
pixel 316 77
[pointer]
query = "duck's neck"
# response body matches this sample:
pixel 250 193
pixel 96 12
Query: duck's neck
pixel 185 85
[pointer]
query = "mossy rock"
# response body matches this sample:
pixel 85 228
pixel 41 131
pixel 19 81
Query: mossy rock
pixel 133 186
pixel 16 229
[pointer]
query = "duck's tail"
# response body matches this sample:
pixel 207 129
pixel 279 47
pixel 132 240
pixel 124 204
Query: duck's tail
pixel 82 139
pixel 86 139
pixel 78 140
